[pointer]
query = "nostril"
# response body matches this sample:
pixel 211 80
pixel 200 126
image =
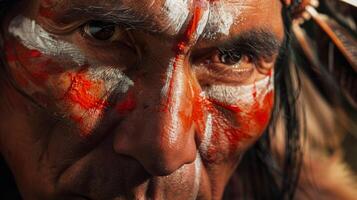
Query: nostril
pixel 163 168
pixel 156 171
pixel 166 163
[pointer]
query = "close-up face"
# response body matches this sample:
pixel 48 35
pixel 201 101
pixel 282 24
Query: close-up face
pixel 155 99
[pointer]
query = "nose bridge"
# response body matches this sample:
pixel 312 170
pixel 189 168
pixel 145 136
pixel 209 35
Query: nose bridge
pixel 162 137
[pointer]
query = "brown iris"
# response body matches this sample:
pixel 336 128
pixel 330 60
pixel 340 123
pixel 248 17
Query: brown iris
pixel 229 58
pixel 102 31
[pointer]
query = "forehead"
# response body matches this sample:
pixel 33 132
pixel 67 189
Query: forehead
pixel 225 16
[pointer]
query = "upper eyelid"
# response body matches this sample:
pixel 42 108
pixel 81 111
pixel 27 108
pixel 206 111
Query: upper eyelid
pixel 257 42
pixel 256 52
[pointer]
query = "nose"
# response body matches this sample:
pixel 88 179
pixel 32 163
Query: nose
pixel 160 132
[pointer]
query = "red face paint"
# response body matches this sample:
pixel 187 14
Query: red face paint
pixel 245 121
pixel 84 92
pixel 33 65
pixel 127 105
pixel 68 91
pixel 178 97
pixel 179 49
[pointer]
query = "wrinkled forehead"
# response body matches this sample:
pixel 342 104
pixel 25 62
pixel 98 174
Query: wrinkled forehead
pixel 168 16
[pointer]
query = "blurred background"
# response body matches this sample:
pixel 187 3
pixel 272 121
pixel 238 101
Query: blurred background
pixel 325 38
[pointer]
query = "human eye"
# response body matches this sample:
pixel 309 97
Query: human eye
pixel 107 43
pixel 233 67
pixel 102 33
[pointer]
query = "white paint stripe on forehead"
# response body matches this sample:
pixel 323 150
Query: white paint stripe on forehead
pixel 177 12
pixel 202 23
pixel 34 37
pixel 240 94
pixel 223 15
pixel 220 20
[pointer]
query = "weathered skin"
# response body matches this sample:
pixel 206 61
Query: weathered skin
pixel 166 136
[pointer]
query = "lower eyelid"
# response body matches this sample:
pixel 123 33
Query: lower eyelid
pixel 214 74
pixel 231 95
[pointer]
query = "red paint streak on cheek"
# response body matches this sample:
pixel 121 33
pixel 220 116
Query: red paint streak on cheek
pixel 15 52
pixel 31 61
pixel 248 123
pixel 81 92
pixel 260 113
pixel 35 66
pixel 127 105
pixel 83 97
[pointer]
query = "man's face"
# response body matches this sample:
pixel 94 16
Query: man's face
pixel 136 99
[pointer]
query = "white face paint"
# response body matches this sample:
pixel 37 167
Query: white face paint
pixel 175 96
pixel 222 17
pixel 169 74
pixel 203 22
pixel 233 95
pixel 175 75
pixel 177 12
pixel 35 37
pixel 207 136
pixel 115 80
pixel 198 169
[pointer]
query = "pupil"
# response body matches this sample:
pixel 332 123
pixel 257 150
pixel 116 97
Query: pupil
pixel 101 30
pixel 230 58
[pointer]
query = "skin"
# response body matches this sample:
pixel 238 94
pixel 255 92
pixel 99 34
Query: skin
pixel 79 138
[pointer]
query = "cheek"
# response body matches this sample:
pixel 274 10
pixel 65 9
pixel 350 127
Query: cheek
pixel 79 93
pixel 232 127
pixel 31 69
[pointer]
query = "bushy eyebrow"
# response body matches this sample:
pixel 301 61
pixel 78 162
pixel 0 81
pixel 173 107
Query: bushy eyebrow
pixel 256 42
pixel 120 15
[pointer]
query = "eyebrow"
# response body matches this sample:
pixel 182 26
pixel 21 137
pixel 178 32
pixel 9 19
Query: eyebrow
pixel 256 42
pixel 121 15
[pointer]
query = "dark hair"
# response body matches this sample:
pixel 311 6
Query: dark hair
pixel 261 175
